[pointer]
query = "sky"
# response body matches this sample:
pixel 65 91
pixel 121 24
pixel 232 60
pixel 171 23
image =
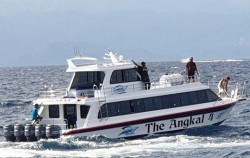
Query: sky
pixel 45 32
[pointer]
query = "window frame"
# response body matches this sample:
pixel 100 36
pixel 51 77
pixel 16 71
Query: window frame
pixel 200 101
pixel 52 113
pixel 166 101
pixel 211 96
pixel 126 75
pixel 81 109
pixel 184 99
pixel 87 79
pixel 193 99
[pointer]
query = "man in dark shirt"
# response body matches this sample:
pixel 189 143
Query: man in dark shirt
pixel 191 69
pixel 143 71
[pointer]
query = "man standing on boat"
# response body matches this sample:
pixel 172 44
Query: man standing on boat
pixel 34 114
pixel 143 71
pixel 191 69
pixel 222 86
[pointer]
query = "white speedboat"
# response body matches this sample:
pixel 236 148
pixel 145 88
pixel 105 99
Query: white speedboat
pixel 186 60
pixel 108 98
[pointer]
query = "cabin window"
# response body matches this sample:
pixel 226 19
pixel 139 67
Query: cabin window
pixel 132 106
pixel 211 96
pixel 184 99
pixel 114 109
pixel 157 103
pixel 84 110
pixel 119 76
pixel 90 77
pixel 69 109
pixel 130 75
pixel 54 111
pixel 192 98
pixel 126 76
pixel 125 107
pixel 201 95
pixel 176 100
pixel 139 106
pixel 87 79
pixel 167 102
pixel 148 103
pixel 83 77
pixel 103 111
pixel 123 76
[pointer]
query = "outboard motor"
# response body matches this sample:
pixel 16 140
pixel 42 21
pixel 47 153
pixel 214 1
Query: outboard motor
pixel 9 133
pixel 19 133
pixel 29 132
pixel 53 131
pixel 40 131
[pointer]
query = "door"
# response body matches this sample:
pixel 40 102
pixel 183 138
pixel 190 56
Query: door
pixel 70 115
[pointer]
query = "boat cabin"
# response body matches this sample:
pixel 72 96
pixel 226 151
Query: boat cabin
pixel 91 79
pixel 94 94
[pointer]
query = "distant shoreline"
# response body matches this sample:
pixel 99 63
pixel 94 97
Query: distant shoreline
pixel 219 60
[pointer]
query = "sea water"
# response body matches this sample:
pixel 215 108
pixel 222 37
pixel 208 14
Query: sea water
pixel 20 85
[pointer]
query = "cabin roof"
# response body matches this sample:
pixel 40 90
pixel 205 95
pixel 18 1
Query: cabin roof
pixel 112 61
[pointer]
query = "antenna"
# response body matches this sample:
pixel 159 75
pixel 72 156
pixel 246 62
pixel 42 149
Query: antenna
pixel 76 52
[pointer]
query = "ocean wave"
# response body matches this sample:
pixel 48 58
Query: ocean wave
pixel 10 103
pixel 171 145
pixel 71 143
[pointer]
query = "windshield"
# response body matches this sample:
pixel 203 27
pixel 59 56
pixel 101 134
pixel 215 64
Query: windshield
pixel 87 79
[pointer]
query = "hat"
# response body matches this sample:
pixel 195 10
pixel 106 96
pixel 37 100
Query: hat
pixel 228 78
pixel 191 58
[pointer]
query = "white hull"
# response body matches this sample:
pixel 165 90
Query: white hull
pixel 160 124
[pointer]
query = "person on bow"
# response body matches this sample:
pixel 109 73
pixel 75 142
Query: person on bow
pixel 191 69
pixel 34 114
pixel 143 71
pixel 222 86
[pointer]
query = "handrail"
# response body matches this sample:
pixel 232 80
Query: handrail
pixel 120 88
pixel 112 89
pixel 52 93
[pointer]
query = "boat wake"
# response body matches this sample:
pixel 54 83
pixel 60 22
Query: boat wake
pixel 171 145
pixel 212 138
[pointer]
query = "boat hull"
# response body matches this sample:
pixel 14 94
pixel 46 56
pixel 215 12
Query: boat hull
pixel 160 124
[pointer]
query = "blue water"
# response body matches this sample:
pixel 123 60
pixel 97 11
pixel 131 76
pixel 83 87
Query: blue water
pixel 20 85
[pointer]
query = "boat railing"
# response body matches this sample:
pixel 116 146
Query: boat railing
pixel 118 89
pixel 103 91
pixel 242 87
pixel 125 88
pixel 52 93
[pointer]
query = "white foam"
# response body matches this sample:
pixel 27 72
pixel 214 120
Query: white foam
pixel 145 147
